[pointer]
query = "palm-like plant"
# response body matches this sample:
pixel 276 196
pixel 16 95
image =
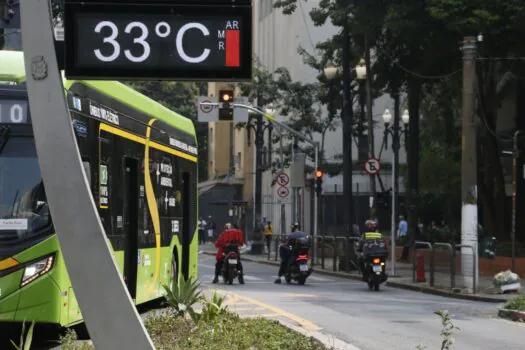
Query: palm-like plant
pixel 183 296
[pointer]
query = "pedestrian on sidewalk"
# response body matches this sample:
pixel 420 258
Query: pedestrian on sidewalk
pixel 268 233
pixel 402 228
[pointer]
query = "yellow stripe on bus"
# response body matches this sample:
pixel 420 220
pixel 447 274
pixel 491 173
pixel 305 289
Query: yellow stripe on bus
pixel 153 208
pixel 116 131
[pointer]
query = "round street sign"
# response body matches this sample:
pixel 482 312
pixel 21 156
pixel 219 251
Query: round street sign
pixel 283 192
pixel 206 109
pixel 372 166
pixel 283 179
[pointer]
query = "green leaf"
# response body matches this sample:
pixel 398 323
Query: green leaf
pixel 29 337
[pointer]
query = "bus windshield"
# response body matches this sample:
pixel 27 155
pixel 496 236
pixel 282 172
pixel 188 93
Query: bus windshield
pixel 24 213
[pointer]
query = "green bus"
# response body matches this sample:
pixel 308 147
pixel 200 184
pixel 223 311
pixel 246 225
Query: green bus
pixel 140 159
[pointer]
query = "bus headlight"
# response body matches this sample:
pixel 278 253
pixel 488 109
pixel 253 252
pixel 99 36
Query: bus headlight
pixel 37 269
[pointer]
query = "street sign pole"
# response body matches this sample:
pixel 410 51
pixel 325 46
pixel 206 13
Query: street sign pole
pixel 111 318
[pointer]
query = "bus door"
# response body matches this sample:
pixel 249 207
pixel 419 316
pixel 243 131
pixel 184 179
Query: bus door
pixel 187 224
pixel 131 225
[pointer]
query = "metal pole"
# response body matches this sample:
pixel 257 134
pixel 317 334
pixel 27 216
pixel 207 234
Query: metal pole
pixel 393 219
pixel 294 189
pixel 370 120
pixel 347 128
pixel 257 244
pixel 469 213
pixel 316 202
pixel 515 155
pixel 111 317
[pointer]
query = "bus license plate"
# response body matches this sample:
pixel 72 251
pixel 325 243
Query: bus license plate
pixel 303 267
pixel 232 262
pixel 376 268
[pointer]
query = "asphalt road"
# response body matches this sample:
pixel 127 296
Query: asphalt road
pixel 345 309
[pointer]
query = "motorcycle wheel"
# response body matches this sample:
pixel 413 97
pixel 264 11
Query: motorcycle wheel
pixel 288 279
pixel 230 276
pixel 301 280
pixel 370 285
pixel 376 287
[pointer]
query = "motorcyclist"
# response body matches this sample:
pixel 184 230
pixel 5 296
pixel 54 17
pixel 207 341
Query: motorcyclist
pixel 371 233
pixel 230 236
pixel 287 252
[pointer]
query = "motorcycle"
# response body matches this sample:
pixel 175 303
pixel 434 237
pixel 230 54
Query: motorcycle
pixel 298 270
pixel 375 267
pixel 230 267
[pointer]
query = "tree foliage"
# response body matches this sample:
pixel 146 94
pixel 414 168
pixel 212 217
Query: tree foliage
pixel 416 50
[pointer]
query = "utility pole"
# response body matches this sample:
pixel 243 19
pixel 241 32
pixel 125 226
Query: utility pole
pixel 469 212
pixel 347 130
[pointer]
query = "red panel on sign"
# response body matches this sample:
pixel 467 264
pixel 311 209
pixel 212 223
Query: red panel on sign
pixel 233 48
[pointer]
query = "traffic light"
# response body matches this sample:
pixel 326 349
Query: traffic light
pixel 319 181
pixel 225 108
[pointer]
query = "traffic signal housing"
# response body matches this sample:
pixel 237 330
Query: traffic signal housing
pixel 319 181
pixel 225 107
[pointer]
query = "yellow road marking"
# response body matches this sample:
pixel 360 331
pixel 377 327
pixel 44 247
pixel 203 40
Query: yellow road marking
pixel 247 308
pixel 301 321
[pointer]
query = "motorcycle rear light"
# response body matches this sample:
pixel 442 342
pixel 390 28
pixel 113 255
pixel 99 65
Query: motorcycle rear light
pixel 376 261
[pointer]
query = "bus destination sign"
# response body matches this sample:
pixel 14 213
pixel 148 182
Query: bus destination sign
pixel 166 41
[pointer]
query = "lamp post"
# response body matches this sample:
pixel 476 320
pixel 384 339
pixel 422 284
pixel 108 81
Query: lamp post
pixel 362 76
pixel 396 131
pixel 330 71
pixel 259 126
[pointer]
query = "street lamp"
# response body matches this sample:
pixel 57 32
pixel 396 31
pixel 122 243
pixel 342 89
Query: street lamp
pixel 363 76
pixel 395 130
pixel 259 126
pixel 330 71
pixel 360 70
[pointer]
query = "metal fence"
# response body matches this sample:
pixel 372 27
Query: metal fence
pixel 449 266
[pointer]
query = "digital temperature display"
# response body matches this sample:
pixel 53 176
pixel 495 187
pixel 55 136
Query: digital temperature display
pixel 200 42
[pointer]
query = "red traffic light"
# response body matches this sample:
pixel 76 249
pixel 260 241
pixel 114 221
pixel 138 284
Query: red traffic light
pixel 319 173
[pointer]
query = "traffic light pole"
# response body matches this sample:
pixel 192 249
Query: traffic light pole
pixel 315 144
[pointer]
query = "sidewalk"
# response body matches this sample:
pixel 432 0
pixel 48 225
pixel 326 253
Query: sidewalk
pixel 403 278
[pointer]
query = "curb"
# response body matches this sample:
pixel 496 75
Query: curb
pixel 421 289
pixel 512 315
pixel 445 293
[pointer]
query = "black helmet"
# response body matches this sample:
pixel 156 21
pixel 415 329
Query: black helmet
pixel 296 226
